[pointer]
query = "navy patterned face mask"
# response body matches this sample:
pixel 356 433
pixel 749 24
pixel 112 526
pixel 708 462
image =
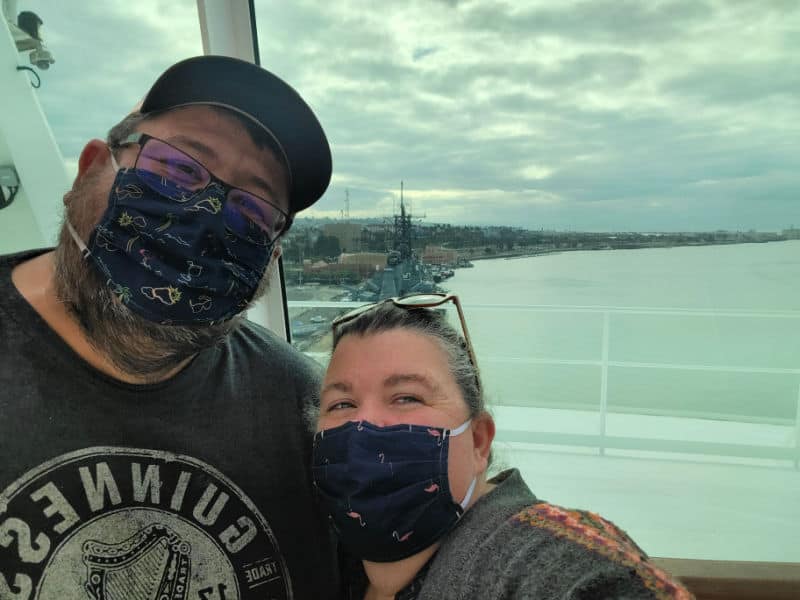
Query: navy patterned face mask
pixel 174 256
pixel 386 488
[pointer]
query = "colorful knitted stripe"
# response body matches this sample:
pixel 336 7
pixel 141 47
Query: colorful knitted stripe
pixel 603 537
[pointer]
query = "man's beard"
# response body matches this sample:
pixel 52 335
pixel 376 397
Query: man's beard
pixel 138 347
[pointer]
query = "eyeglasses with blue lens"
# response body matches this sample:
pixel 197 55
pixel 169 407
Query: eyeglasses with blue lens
pixel 178 176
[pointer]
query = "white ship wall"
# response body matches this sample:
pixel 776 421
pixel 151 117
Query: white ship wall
pixel 27 144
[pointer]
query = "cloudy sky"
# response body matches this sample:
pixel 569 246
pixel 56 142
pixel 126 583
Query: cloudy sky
pixel 584 115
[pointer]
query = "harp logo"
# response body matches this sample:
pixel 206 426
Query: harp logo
pixel 131 524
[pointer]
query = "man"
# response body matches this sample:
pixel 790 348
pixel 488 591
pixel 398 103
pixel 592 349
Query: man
pixel 151 440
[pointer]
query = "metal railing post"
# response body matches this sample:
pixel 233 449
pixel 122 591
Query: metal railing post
pixel 604 381
pixel 797 431
pixel 786 452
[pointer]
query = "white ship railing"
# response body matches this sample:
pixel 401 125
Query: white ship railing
pixel 783 450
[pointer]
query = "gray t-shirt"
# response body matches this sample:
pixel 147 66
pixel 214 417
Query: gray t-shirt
pixel 197 487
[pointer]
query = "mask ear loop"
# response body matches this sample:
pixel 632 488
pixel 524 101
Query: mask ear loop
pixel 460 429
pixel 465 502
pixel 457 431
pixel 114 163
pixel 85 252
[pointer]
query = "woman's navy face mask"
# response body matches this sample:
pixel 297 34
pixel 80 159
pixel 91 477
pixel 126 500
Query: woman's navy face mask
pixel 387 488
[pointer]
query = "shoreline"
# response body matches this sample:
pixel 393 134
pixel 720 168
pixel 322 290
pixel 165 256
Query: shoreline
pixel 542 252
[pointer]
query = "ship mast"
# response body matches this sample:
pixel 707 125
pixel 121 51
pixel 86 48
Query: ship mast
pixel 402 229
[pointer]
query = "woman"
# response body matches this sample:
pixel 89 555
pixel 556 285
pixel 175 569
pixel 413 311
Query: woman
pixel 401 452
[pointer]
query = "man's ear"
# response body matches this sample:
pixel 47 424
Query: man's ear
pixel 94 154
pixel 482 437
pixel 277 250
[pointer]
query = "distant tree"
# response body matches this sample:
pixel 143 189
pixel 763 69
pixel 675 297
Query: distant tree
pixel 326 245
pixel 293 254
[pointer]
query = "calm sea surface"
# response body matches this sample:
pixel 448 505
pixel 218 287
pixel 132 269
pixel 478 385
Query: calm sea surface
pixel 695 345
pixel 711 331
pixel 684 347
pixel 740 276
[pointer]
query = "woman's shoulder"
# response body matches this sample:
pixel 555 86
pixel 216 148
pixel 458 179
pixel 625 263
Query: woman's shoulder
pixel 583 545
pixel 515 546
pixel 585 528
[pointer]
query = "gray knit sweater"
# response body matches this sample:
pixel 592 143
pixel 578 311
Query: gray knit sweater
pixel 511 546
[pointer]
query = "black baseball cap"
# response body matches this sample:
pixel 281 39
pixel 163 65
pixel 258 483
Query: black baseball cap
pixel 261 96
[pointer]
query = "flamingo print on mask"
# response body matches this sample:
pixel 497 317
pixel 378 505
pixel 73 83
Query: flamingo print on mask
pixel 354 515
pixel 401 538
pixel 408 504
pixel 438 435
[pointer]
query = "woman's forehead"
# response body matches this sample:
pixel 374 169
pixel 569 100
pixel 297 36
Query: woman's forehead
pixel 393 355
pixel 402 343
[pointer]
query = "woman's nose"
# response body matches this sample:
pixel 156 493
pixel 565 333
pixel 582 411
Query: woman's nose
pixel 375 415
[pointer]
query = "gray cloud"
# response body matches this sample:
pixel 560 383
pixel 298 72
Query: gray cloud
pixel 420 53
pixel 616 21
pixel 582 114
pixel 736 83
pixel 106 59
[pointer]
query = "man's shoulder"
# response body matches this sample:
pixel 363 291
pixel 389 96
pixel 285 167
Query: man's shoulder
pixel 250 336
pixel 254 343
pixel 10 260
pixel 13 308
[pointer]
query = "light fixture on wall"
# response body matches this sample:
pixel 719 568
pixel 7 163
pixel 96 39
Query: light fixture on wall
pixel 27 36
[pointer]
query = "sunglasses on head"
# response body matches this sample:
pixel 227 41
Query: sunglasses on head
pixel 415 301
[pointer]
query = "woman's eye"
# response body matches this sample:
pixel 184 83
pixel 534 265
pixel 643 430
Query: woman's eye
pixel 407 400
pixel 340 405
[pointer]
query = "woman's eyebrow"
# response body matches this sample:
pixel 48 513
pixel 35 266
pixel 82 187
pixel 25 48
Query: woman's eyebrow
pixel 399 378
pixel 338 386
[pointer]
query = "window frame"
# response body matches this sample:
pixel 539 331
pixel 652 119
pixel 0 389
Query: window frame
pixel 229 28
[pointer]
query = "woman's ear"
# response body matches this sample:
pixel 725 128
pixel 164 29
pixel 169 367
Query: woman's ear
pixel 482 437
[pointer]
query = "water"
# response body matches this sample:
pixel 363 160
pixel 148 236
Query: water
pixel 684 363
pixel 740 276
pixel 710 331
